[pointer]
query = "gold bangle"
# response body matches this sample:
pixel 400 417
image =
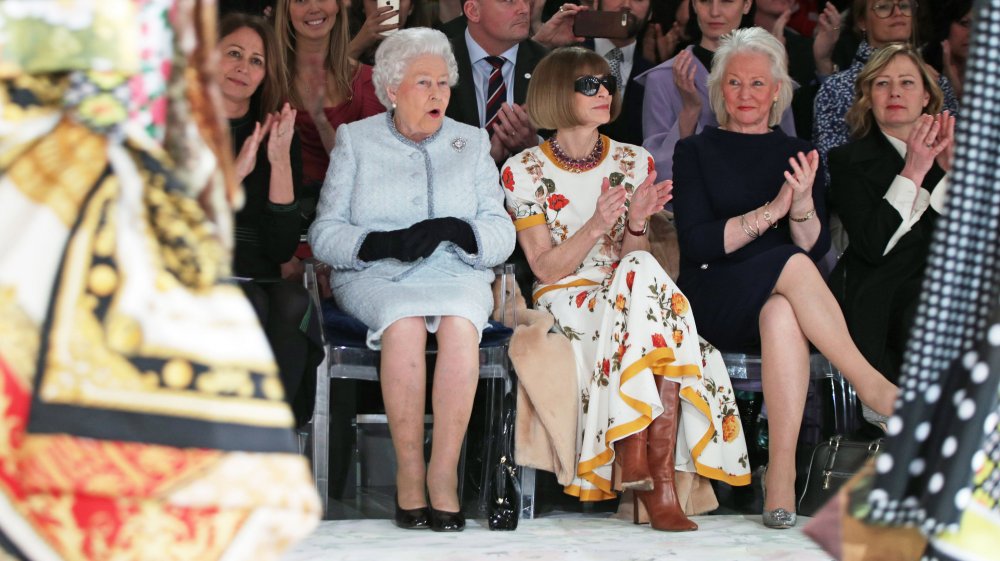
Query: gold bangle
pixel 767 216
pixel 808 215
pixel 746 227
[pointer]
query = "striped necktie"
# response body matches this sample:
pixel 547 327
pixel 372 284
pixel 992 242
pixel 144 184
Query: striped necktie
pixel 496 93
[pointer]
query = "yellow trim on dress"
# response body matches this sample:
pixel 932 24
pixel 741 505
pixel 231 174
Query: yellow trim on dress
pixel 697 449
pixel 549 288
pixel 529 222
pixel 546 148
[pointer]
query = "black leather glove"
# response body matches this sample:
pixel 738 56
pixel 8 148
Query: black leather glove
pixel 449 229
pixel 396 244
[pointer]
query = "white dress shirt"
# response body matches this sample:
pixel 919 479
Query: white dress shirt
pixel 481 71
pixel 909 199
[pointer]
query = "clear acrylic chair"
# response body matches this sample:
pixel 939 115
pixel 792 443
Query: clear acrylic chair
pixel 358 362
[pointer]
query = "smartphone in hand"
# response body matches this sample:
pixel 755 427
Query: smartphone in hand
pixel 611 25
pixel 394 19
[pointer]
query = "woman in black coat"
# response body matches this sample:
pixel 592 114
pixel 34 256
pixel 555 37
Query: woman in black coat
pixel 888 187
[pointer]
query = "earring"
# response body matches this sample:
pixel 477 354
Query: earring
pixel 393 104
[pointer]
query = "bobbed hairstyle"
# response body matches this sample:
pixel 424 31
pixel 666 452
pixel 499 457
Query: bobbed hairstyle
pixel 398 50
pixel 551 94
pixel 272 92
pixel 338 64
pixel 860 117
pixel 754 40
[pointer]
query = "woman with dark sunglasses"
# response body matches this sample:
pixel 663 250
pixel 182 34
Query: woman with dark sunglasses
pixel 654 398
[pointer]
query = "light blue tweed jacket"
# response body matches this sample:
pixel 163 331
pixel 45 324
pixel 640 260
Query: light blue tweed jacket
pixel 380 180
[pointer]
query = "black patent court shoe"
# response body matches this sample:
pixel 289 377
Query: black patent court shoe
pixel 412 519
pixel 442 521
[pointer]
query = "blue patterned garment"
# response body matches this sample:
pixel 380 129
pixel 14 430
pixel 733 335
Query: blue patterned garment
pixel 836 96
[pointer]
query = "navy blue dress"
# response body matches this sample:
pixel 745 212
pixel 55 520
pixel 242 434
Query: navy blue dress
pixel 720 174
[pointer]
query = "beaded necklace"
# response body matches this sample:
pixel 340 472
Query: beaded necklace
pixel 577 165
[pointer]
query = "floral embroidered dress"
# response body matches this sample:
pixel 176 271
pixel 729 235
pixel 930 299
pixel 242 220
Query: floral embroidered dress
pixel 627 322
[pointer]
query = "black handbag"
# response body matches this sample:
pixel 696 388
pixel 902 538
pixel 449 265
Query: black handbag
pixel 833 463
pixel 505 501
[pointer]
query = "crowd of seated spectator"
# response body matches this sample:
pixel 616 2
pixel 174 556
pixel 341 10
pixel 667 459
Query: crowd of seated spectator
pixel 731 108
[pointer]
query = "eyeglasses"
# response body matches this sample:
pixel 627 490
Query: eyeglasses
pixel 884 9
pixel 590 85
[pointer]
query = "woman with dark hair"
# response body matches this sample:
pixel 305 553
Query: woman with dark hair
pixel 676 102
pixel 948 48
pixel 269 165
pixel 888 186
pixel 649 387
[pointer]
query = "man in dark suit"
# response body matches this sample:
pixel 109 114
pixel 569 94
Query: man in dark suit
pixel 495 60
pixel 630 62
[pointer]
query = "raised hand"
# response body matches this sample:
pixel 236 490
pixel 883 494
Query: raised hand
pixel 246 160
pixel 779 25
pixel 649 198
pixel 558 31
pixel 282 128
pixel 610 206
pixel 796 192
pixel 923 146
pixel 825 37
pixel 946 137
pixel 514 128
pixel 684 72
pixel 372 31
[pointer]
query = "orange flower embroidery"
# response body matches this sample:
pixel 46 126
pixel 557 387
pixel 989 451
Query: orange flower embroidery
pixel 605 368
pixel 650 166
pixel 591 303
pixel 508 179
pixel 580 298
pixel 678 303
pixel 620 302
pixel 659 341
pixel 629 278
pixel 678 337
pixel 730 428
pixel 557 202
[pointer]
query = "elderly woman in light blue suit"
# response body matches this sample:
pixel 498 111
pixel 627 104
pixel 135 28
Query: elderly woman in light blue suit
pixel 411 219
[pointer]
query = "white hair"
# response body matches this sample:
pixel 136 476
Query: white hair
pixel 399 49
pixel 750 40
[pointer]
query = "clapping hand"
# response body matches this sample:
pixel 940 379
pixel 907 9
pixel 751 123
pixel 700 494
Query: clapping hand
pixel 246 160
pixel 649 198
pixel 946 138
pixel 796 192
pixel 513 128
pixel 282 127
pixel 925 144
pixel 610 206
pixel 825 38
pixel 684 72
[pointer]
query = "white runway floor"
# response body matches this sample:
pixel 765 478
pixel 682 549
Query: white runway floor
pixel 560 538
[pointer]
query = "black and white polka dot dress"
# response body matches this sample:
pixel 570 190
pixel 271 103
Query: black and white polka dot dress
pixel 944 447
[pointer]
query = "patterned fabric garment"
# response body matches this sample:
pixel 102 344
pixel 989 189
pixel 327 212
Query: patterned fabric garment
pixel 140 408
pixel 836 96
pixel 941 467
pixel 627 321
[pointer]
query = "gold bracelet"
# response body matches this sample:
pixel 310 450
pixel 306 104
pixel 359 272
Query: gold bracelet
pixel 756 222
pixel 746 227
pixel 808 215
pixel 767 216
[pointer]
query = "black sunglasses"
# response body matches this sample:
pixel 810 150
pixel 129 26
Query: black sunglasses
pixel 590 85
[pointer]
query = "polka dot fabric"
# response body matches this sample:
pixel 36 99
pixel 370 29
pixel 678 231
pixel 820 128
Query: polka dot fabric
pixel 945 423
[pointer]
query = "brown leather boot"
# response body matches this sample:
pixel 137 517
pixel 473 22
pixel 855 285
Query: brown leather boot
pixel 631 463
pixel 665 512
